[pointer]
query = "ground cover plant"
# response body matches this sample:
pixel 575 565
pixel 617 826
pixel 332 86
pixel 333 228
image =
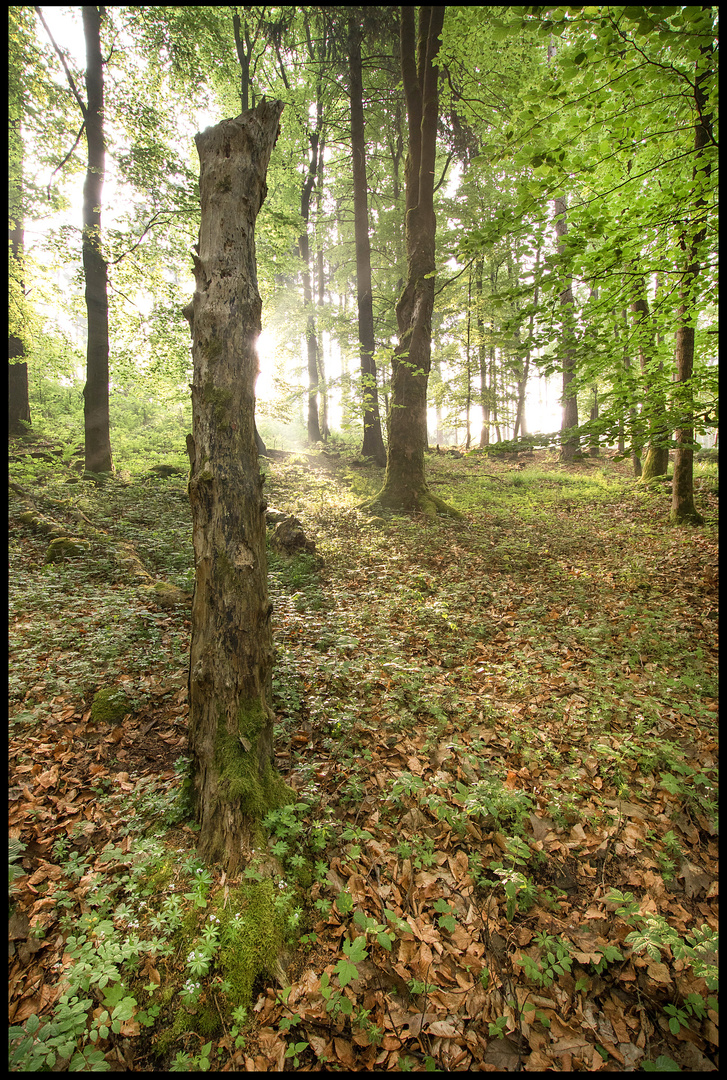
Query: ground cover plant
pixel 502 736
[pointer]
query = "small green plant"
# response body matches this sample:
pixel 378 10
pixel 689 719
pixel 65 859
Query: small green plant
pixel 294 1051
pixel 555 959
pixel 336 1001
pixel 446 919
pixel 15 851
pixel 239 1015
pixel 38 1046
pixel 497 1029
pixel 405 785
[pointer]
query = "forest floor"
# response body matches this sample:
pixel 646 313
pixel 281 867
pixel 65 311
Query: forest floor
pixel 502 734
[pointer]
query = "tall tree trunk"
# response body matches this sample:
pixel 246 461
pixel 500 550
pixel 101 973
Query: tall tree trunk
pixel 231 654
pixel 468 398
pixel 373 442
pixel 683 510
pixel 482 354
pixel 523 381
pixel 657 456
pixel 18 399
pixel 570 443
pixel 629 395
pixel 405 485
pixel 98 457
pixel 96 390
pixel 320 297
pixel 314 431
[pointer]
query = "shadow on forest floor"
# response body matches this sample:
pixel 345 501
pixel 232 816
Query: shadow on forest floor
pixel 502 733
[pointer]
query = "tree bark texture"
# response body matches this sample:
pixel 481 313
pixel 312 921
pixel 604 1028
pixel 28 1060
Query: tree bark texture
pixel 570 444
pixel 373 442
pixel 96 391
pixel 683 510
pixel 230 716
pixel 405 485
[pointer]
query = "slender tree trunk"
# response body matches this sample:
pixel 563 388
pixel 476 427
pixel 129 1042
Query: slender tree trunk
pixel 314 431
pixel 683 510
pixel 482 355
pixel 523 382
pixel 18 399
pixel 636 438
pixel 320 298
pixel 657 457
pixel 569 443
pixel 593 439
pixel 373 442
pixel 493 394
pixel 96 391
pixel 231 655
pixel 468 400
pixel 405 485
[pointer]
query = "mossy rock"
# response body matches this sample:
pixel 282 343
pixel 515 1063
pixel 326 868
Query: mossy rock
pixel 63 547
pixel 165 471
pixel 109 705
pixel 168 596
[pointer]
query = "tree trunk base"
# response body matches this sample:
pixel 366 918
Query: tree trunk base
pixel 656 464
pixel 690 517
pixel 421 503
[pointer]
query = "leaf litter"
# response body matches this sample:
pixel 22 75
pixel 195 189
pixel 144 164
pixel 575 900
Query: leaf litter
pixel 503 725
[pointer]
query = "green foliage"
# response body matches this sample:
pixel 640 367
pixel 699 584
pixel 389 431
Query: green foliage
pixel 555 959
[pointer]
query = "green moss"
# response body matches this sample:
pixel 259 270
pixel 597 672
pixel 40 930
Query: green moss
pixel 160 878
pixel 65 548
pixel 109 704
pixel 240 777
pixel 214 396
pixel 251 938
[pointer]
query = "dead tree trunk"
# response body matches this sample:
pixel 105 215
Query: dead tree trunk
pixel 231 655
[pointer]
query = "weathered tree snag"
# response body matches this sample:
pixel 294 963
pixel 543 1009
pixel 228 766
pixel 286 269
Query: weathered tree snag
pixel 405 486
pixel 231 655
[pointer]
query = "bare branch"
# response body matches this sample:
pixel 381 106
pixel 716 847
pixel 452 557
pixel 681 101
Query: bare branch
pixel 61 57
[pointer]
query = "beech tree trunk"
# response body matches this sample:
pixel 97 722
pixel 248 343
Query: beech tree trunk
pixel 482 354
pixel 523 381
pixel 683 510
pixel 656 462
pixel 231 654
pixel 569 443
pixel 405 486
pixel 96 391
pixel 373 442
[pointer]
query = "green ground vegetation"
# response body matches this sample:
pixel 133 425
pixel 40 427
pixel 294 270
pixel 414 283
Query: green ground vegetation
pixel 501 736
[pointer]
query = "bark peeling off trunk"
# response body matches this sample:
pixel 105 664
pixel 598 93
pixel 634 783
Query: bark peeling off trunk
pixel 230 719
